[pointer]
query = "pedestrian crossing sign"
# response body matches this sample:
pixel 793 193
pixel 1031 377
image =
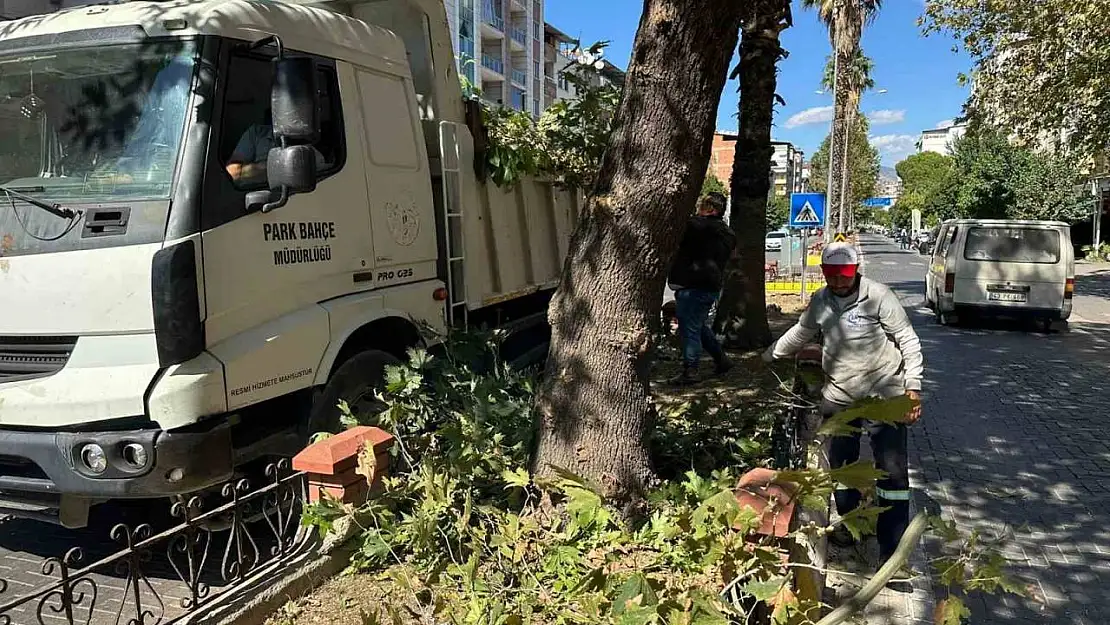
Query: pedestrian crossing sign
pixel 807 210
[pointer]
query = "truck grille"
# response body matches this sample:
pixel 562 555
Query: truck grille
pixel 25 357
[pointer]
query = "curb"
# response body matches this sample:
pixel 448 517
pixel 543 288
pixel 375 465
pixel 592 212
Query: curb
pixel 267 590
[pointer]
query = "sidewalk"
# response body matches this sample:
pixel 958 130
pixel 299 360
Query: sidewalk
pixel 1092 293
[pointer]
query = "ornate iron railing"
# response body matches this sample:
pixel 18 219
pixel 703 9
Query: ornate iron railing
pixel 205 555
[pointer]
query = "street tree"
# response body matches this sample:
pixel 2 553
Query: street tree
pixel 595 407
pixel 1040 67
pixel 996 179
pixel 863 165
pixel 845 20
pixel 713 184
pixel 744 293
pixel 927 185
pixel 778 212
pixel 858 80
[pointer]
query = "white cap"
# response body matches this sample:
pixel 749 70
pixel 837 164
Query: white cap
pixel 840 254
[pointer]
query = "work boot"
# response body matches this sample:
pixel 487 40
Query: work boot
pixel 902 581
pixel 686 377
pixel 841 537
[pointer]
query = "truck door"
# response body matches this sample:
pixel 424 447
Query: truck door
pixel 399 190
pixel 265 273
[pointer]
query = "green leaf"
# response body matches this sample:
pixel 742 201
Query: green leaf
pixel 635 592
pixel 584 506
pixel 765 590
pixel 722 506
pixel 862 520
pixel 951 611
pixel 639 615
pixel 892 410
pixel 859 475
pixel 518 478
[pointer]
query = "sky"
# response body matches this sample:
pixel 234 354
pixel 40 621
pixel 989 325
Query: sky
pixel 918 74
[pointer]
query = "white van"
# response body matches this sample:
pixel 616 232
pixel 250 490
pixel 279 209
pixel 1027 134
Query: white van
pixel 1011 268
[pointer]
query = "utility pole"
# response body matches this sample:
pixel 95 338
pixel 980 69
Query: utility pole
pixel 848 121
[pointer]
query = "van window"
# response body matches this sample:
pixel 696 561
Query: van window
pixel 948 237
pixel 1012 245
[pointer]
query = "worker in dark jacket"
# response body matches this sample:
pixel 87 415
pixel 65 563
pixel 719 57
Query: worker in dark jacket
pixel 696 279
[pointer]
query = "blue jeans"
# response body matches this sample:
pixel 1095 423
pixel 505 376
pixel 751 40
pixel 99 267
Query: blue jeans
pixel 692 308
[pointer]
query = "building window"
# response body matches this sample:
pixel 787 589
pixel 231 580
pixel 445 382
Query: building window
pixel 536 69
pixel 537 31
pixel 536 106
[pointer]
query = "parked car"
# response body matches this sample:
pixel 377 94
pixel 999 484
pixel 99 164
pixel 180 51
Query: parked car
pixel 773 242
pixel 926 239
pixel 1012 268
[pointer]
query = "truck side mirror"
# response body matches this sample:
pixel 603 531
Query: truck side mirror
pixel 294 100
pixel 289 170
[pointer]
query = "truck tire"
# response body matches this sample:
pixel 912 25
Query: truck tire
pixel 355 381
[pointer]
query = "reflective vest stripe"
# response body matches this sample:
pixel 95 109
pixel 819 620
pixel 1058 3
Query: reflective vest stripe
pixel 893 495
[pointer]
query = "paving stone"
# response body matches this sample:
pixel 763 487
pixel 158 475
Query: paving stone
pixel 1013 435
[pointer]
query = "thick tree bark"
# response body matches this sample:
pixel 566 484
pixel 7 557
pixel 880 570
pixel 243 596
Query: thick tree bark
pixel 848 23
pixel 594 408
pixel 745 292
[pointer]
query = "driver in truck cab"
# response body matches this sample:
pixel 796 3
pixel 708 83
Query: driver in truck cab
pixel 247 163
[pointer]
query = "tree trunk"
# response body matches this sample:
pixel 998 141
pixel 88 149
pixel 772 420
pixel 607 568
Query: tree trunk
pixel 594 408
pixel 840 138
pixel 849 18
pixel 745 292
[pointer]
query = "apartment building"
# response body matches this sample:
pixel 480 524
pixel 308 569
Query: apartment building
pixel 789 170
pixel 940 140
pixel 499 45
pixel 559 56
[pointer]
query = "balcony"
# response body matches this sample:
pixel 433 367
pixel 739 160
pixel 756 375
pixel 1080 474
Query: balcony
pixel 520 78
pixel 496 21
pixel 493 64
pixel 519 36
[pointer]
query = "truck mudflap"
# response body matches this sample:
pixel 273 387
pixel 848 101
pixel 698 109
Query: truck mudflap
pixel 57 476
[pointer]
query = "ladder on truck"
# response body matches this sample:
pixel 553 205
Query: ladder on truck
pixel 453 225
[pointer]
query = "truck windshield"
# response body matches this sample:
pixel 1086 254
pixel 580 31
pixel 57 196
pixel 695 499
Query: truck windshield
pixel 95 124
pixel 1013 245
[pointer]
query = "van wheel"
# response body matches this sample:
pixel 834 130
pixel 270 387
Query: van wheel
pixel 357 380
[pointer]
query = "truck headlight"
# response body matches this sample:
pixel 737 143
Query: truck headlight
pixel 135 455
pixel 92 456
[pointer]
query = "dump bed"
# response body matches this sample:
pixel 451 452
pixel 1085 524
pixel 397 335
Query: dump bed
pixel 513 240
pixel 495 244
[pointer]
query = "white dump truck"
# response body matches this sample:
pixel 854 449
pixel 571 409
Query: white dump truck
pixel 218 218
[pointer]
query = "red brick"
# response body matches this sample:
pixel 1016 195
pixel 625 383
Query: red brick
pixel 339 453
pixel 756 489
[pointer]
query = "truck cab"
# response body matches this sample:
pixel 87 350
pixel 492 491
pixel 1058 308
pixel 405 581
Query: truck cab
pixel 208 210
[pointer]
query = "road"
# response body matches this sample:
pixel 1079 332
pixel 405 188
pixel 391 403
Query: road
pixel 1013 439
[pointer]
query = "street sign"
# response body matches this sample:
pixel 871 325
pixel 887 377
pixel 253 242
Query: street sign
pixel 807 210
pixel 840 237
pixel 879 201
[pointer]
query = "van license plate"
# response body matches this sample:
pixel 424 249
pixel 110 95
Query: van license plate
pixel 1006 297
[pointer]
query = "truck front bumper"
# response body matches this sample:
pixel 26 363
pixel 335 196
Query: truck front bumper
pixel 45 474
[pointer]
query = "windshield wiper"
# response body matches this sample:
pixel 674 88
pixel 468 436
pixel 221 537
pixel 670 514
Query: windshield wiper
pixel 54 209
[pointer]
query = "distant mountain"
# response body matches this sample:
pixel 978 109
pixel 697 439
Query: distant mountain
pixel 888 173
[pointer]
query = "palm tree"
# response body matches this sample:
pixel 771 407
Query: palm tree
pixel 845 20
pixel 858 80
pixel 745 290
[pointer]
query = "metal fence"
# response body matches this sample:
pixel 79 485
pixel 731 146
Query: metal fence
pixel 206 554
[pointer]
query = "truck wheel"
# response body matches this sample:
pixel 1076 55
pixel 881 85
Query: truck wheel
pixel 356 381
